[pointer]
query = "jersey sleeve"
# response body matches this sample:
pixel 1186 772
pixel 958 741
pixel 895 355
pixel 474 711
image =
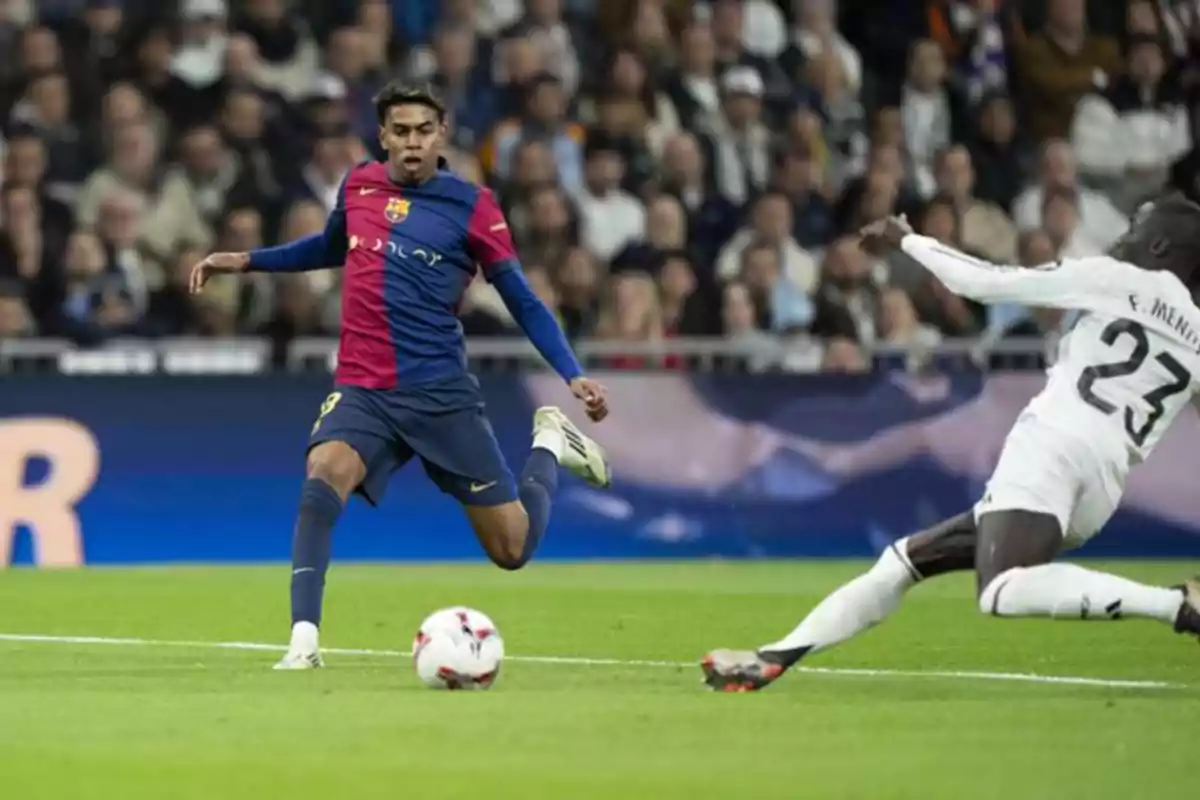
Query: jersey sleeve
pixel 319 251
pixel 1090 284
pixel 336 240
pixel 489 241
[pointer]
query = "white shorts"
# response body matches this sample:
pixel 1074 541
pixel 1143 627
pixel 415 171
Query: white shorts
pixel 1044 470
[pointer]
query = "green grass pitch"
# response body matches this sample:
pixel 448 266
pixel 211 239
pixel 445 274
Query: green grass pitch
pixel 91 720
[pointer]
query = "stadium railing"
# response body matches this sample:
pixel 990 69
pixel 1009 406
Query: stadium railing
pixel 249 356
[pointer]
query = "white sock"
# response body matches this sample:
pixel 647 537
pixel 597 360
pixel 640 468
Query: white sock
pixel 1068 591
pixel 851 609
pixel 550 440
pixel 304 637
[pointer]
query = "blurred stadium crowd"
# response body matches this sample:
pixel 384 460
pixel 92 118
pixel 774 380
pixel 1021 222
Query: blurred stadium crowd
pixel 669 168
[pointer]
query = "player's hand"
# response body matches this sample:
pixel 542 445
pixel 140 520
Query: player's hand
pixel 216 264
pixel 592 395
pixel 882 237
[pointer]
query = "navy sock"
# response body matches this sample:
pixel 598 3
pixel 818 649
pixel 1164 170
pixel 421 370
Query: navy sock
pixel 539 480
pixel 320 507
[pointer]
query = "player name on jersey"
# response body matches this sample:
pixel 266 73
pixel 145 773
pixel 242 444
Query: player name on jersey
pixel 1172 316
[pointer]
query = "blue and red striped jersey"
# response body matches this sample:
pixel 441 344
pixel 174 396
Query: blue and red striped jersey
pixel 411 251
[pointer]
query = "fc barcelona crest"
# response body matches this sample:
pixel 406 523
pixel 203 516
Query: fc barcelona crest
pixel 397 209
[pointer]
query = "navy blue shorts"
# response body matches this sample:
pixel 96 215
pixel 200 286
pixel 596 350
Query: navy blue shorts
pixel 387 427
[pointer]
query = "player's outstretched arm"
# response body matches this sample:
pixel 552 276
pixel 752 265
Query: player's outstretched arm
pixel 319 251
pixel 490 244
pixel 1094 284
pixel 547 336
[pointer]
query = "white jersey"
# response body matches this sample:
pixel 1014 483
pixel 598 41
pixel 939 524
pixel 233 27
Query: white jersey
pixel 1127 368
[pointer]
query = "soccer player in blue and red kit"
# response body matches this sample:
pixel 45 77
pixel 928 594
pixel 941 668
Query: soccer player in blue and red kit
pixel 411 235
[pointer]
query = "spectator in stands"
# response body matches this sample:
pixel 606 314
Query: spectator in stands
pixel 243 127
pixel 545 118
pixel 665 232
pixel 899 325
pixel 25 164
pixel 847 300
pixel 543 23
pixel 516 62
pixel 203 56
pixel 1129 135
pixel 321 177
pixel 347 62
pixel 727 20
pixel 553 226
pixel 25 251
pixel 814 33
pixel 46 107
pixel 801 178
pixel 738 139
pixel 1101 223
pixel 739 324
pixel 694 87
pixel 626 75
pixel 684 308
pixel 610 218
pixel 1000 157
pixel 630 313
pixel 624 121
pixel 973 35
pixel 209 177
pixel 1060 221
pixel 825 91
pixel 98 301
pixel 533 167
pixel 771 223
pixel 781 304
pixel 985 228
pixel 289 54
pixel 883 189
pixel 1060 65
pixel 649 34
pixel 168 212
pixel 153 76
pixel 712 218
pixel 578 281
pixel 929 111
pixel 464 87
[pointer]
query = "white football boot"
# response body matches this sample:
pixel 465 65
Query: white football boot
pixel 296 659
pixel 574 450
pixel 304 651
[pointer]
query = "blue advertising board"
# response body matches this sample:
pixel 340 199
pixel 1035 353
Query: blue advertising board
pixel 157 469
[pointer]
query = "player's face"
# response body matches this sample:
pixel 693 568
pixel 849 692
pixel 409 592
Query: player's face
pixel 412 135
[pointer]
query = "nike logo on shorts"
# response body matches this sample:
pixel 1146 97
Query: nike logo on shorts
pixel 476 488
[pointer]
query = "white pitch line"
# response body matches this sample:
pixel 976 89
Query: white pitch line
pixel 1025 677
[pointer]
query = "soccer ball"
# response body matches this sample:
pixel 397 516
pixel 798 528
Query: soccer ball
pixel 458 648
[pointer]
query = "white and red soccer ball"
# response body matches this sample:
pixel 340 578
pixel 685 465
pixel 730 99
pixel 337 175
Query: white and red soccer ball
pixel 458 648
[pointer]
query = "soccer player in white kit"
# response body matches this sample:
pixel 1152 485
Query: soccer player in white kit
pixel 1122 375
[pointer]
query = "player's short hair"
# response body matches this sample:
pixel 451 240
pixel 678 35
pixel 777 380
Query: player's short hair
pixel 1164 234
pixel 397 93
